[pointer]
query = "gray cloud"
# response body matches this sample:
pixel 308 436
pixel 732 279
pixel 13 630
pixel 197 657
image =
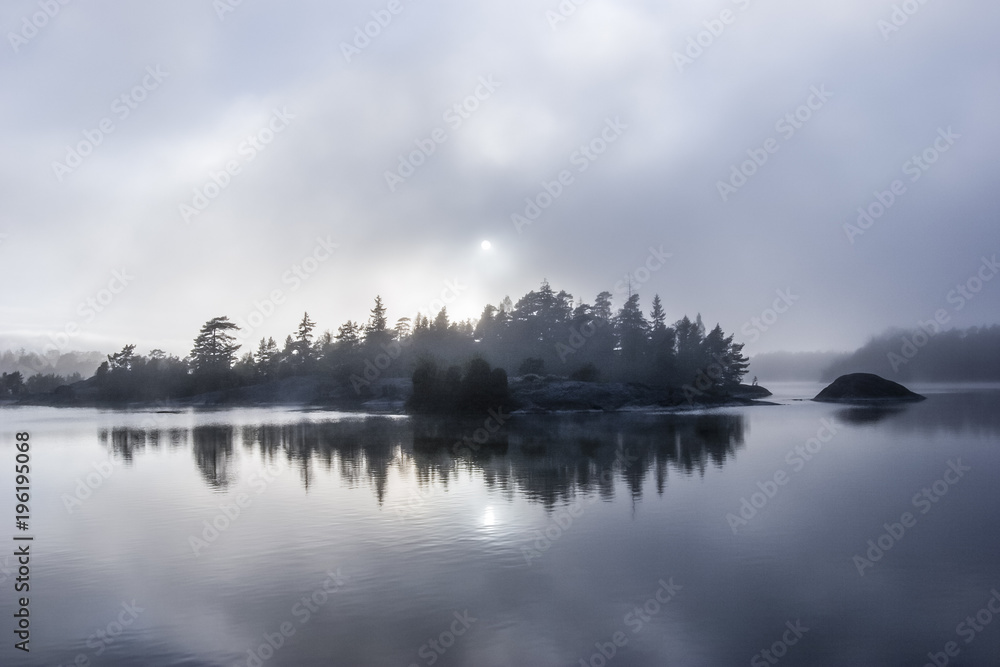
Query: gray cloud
pixel 656 185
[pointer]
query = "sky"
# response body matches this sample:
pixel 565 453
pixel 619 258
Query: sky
pixel 804 174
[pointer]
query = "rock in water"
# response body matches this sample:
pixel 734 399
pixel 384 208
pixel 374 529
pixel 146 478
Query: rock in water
pixel 864 387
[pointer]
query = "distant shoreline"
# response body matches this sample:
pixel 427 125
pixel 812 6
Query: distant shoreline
pixel 528 395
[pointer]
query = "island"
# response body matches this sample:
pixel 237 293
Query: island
pixel 865 388
pixel 560 353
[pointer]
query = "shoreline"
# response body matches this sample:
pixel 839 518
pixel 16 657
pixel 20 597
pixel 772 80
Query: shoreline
pixel 529 396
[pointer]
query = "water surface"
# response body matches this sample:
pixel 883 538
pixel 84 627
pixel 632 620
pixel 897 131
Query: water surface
pixel 378 541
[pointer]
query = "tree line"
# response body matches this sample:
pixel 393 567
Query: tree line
pixel 928 355
pixel 543 333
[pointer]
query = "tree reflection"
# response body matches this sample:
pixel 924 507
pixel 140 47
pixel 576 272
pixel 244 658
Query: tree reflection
pixel 548 459
pixel 213 451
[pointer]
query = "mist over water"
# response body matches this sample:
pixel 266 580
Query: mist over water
pixel 550 535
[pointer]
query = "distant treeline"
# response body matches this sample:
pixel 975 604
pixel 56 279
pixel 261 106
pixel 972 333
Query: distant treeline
pixel 544 332
pixel 793 366
pixel 24 372
pixel 956 355
pixel 54 363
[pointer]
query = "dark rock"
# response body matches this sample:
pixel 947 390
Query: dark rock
pixel 751 391
pixel 865 387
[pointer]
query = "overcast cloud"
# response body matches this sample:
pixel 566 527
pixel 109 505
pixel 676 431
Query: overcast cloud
pixel 338 119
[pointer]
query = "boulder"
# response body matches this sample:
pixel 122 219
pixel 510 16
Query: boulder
pixel 865 387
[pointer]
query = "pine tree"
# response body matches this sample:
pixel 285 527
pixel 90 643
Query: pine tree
pixel 348 335
pixel 441 322
pixel 602 307
pixel 303 352
pixel 215 348
pixel 657 316
pixel 266 358
pixel 402 328
pixel 121 361
pixel 376 330
pixel 631 328
pixel 486 328
pixel 288 352
pixel 322 344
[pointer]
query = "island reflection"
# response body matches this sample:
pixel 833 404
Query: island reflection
pixel 547 459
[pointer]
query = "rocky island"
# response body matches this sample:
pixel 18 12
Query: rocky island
pixel 865 388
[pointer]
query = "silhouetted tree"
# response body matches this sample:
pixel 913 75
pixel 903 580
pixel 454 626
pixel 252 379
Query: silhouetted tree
pixel 402 328
pixel 121 361
pixel 632 329
pixel 214 348
pixel 267 358
pixel 657 317
pixel 301 352
pixel 376 332
pixel 441 322
pixel 348 336
pixel 602 306
pixel 690 358
pixel 12 384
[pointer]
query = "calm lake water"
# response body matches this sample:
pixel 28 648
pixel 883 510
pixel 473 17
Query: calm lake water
pixel 679 539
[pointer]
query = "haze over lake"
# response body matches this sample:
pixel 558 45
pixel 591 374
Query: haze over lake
pixel 373 542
